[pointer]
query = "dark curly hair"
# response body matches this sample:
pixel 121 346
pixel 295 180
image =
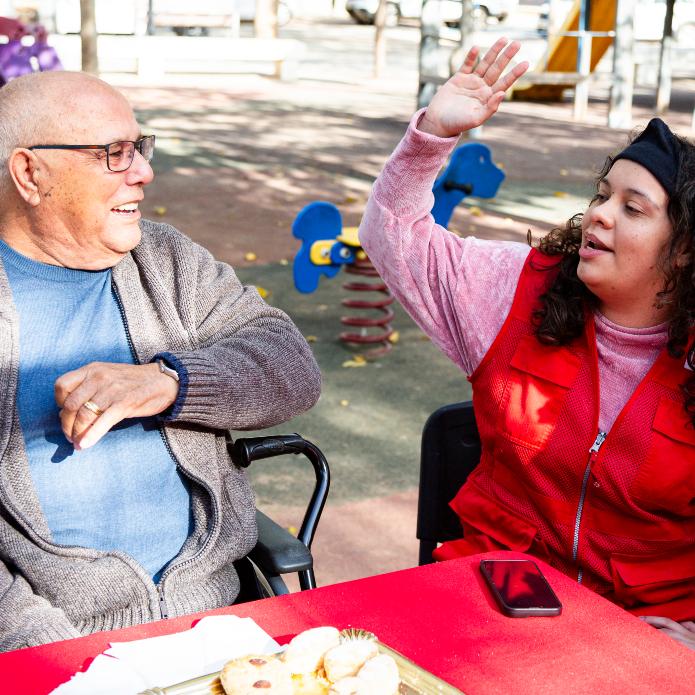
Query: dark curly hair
pixel 560 317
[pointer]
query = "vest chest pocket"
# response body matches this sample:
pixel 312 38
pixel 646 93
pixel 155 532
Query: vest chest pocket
pixel 539 380
pixel 666 480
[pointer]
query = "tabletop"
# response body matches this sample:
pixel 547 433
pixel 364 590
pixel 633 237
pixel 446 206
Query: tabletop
pixel 443 617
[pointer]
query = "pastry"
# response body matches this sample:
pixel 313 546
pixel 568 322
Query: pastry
pixel 256 674
pixel 310 684
pixel 304 654
pixel 381 675
pixel 349 686
pixel 347 658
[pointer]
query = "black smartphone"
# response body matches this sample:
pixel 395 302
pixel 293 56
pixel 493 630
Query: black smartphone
pixel 520 588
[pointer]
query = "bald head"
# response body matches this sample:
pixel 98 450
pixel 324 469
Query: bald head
pixel 50 107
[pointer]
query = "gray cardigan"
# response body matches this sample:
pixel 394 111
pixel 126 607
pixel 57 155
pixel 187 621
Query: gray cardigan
pixel 248 367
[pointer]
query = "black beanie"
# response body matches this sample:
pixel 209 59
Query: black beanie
pixel 657 149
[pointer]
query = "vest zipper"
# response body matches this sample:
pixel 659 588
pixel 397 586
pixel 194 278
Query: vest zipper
pixel 163 609
pixel 593 455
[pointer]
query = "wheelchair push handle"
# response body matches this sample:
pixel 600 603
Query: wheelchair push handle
pixel 249 449
pixel 244 451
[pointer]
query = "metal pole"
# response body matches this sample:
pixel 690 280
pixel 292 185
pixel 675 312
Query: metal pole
pixel 620 108
pixel 429 43
pixel 663 89
pixel 581 90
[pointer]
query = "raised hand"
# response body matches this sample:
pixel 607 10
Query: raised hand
pixel 474 93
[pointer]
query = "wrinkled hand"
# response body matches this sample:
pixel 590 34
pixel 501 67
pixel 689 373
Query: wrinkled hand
pixel 681 632
pixel 471 96
pixel 119 390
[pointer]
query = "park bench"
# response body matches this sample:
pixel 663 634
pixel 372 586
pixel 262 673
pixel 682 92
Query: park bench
pixel 154 56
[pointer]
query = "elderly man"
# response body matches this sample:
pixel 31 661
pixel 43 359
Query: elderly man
pixel 126 351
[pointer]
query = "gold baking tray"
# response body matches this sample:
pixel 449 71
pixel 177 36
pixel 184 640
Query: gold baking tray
pixel 414 681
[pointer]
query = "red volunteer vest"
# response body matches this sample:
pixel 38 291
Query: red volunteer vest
pixel 621 519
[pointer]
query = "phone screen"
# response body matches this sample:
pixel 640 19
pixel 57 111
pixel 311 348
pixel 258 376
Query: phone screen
pixel 520 588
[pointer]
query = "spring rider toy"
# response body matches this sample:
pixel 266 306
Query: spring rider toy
pixel 327 246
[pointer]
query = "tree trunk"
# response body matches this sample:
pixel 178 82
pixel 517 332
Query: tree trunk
pixel 379 39
pixel 265 24
pixel 88 33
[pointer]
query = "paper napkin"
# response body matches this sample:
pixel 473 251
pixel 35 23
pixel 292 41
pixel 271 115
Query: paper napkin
pixel 127 668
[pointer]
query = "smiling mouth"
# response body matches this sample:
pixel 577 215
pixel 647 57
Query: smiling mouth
pixel 127 209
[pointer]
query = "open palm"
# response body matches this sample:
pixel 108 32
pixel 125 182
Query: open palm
pixel 474 92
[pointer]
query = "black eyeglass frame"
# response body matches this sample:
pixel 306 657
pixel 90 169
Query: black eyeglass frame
pixel 138 145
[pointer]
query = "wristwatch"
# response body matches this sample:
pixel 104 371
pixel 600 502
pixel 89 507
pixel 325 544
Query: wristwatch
pixel 164 369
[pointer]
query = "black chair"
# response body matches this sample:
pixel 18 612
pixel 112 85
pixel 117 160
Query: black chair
pixel 278 552
pixel 450 450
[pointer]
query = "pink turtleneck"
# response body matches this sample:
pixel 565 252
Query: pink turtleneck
pixel 460 290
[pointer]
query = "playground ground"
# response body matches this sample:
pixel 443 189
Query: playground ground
pixel 238 157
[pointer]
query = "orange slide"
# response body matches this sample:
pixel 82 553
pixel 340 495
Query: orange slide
pixel 562 54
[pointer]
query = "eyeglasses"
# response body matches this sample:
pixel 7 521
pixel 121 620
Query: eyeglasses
pixel 119 155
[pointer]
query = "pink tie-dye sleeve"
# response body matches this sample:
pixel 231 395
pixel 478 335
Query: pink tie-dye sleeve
pixel 458 290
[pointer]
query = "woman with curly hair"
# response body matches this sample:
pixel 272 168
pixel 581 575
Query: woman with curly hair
pixel 580 353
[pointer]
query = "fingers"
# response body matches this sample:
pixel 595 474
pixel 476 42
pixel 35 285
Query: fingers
pixel 68 382
pixel 469 61
pixel 492 64
pixel 659 621
pixel 510 78
pixel 98 428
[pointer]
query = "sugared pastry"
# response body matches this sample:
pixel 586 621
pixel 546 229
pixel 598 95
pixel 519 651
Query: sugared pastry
pixel 381 674
pixel 256 674
pixel 304 654
pixel 309 684
pixel 349 686
pixel 348 658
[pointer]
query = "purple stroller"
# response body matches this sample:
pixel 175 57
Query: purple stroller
pixel 18 59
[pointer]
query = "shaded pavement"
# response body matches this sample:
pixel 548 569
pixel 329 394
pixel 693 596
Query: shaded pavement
pixel 239 155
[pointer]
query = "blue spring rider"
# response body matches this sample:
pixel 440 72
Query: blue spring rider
pixel 327 246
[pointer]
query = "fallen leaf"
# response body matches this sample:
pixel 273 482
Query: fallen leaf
pixel 250 256
pixel 311 339
pixel 284 261
pixel 499 165
pixel 292 530
pixel 322 307
pixel 560 194
pixel 345 403
pixel 394 337
pixel 350 199
pixel 262 291
pixel 356 361
pixel 159 210
pixel 563 172
pixel 475 210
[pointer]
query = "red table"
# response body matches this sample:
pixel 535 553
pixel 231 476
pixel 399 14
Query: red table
pixel 443 618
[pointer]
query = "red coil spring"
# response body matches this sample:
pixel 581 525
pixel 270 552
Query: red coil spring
pixel 380 325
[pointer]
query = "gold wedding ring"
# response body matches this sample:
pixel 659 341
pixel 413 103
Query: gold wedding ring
pixel 93 408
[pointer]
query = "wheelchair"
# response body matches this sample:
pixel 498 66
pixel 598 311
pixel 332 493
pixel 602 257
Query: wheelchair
pixel 450 450
pixel 277 551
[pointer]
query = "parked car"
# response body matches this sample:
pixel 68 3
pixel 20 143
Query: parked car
pixel 364 11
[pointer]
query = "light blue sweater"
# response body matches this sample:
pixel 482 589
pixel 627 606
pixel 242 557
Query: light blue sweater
pixel 125 493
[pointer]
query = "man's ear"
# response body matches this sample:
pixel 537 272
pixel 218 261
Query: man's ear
pixel 24 170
